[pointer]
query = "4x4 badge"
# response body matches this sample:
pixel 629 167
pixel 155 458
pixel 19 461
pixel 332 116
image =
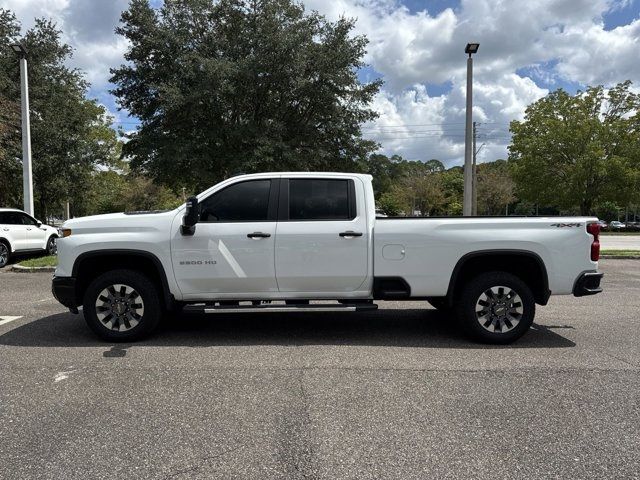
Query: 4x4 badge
pixel 563 225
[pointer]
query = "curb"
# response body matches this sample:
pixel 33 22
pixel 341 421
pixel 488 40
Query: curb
pixel 21 269
pixel 621 257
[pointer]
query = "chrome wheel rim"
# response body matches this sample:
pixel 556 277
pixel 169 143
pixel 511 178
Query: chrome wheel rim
pixel 119 307
pixel 52 247
pixel 499 309
pixel 4 255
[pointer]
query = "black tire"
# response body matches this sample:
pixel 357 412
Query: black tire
pixel 5 254
pixel 440 303
pixel 52 246
pixel 497 295
pixel 122 326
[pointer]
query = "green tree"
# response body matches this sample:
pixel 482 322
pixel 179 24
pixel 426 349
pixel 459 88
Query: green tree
pixel 241 85
pixel 10 165
pixel 111 191
pixel 453 185
pixel 495 188
pixel 144 194
pixel 575 151
pixel 434 165
pixel 70 134
pixel 385 171
pixel 390 204
pixel 105 193
pixel 608 211
pixel 421 195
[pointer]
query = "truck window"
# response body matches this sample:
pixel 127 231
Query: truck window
pixel 240 202
pixel 319 199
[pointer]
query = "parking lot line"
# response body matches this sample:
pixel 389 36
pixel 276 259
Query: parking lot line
pixel 7 319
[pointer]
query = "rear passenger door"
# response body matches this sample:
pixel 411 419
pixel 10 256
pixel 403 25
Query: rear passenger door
pixel 12 228
pixel 35 235
pixel 322 237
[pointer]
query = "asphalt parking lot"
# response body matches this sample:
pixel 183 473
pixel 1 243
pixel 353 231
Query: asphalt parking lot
pixel 395 394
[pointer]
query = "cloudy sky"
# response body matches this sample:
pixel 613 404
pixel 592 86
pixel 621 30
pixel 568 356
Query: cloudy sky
pixel 527 48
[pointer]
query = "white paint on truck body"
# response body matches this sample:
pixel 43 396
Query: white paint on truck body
pixel 308 259
pixel 433 247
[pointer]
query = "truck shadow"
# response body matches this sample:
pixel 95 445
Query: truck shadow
pixel 418 328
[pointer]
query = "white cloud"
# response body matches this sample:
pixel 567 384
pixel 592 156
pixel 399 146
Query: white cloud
pixel 597 56
pixel 28 10
pixel 556 40
pixel 418 126
pixel 96 58
pixel 88 26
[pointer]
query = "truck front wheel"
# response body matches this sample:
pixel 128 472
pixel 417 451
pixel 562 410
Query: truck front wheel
pixel 496 307
pixel 122 306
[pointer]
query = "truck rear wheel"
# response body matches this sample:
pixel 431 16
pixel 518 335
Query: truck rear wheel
pixel 496 307
pixel 122 306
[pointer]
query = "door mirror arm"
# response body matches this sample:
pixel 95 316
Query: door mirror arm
pixel 191 216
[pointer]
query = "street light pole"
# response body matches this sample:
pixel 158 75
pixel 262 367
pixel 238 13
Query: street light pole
pixel 474 182
pixel 27 179
pixel 467 204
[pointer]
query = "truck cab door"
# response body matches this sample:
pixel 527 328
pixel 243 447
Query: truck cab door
pixel 322 240
pixel 231 253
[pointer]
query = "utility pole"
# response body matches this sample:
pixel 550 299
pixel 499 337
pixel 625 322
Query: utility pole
pixel 474 206
pixel 27 181
pixel 467 204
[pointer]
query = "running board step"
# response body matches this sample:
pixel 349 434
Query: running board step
pixel 281 308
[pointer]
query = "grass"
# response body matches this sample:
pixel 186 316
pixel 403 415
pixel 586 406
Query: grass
pixel 48 261
pixel 620 253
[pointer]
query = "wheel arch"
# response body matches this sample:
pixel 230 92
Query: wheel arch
pixel 89 265
pixel 7 243
pixel 526 265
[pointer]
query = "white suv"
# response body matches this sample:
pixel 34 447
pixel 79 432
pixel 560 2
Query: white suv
pixel 21 233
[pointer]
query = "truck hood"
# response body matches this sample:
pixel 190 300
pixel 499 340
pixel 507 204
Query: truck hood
pixel 125 221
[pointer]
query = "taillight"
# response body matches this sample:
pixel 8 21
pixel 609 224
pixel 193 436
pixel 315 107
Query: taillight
pixel 594 229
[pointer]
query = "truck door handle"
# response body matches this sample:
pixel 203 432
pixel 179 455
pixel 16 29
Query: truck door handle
pixel 349 234
pixel 258 235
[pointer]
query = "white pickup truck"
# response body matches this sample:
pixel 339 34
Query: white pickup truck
pixel 276 241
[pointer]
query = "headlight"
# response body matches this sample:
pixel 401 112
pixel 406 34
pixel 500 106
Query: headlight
pixel 64 232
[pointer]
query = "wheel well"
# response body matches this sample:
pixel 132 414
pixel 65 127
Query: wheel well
pixel 89 266
pixel 527 266
pixel 6 242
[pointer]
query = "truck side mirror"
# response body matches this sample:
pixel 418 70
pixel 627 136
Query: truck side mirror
pixel 191 216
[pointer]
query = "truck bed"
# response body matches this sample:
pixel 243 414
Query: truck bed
pixel 425 250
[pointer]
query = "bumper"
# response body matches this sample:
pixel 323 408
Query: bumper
pixel 588 283
pixel 64 290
